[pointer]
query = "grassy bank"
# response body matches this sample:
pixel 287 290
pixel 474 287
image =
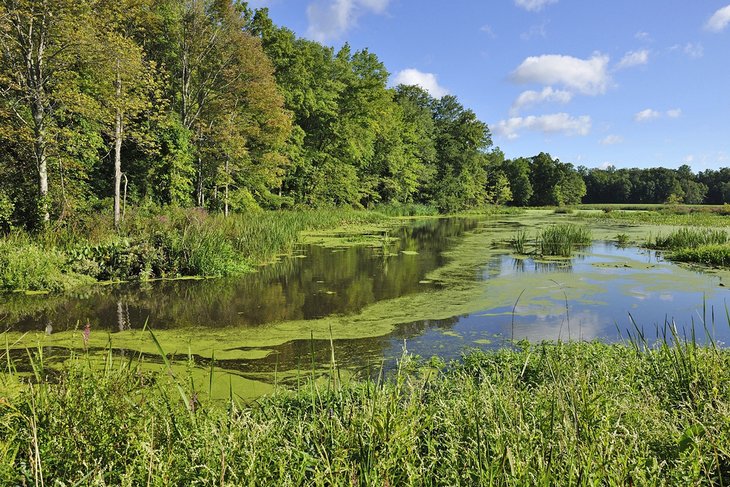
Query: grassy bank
pixel 152 246
pixel 552 414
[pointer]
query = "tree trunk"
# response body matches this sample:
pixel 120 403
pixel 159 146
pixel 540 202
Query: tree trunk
pixel 118 133
pixel 39 148
pixel 225 196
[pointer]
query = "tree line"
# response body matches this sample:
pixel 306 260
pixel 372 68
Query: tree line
pixel 208 103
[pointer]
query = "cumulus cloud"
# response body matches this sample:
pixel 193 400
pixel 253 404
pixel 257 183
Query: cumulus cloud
pixel 548 94
pixel 646 115
pixel 719 20
pixel 329 19
pixel 587 76
pixel 674 113
pixel 634 58
pixel 643 36
pixel 556 123
pixel 534 5
pixel 427 81
pixel 611 140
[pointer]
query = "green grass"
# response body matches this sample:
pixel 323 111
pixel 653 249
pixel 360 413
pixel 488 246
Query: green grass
pixel 712 255
pixel 562 240
pixel 667 217
pixel 689 238
pixel 548 414
pixel 175 243
pixel 519 241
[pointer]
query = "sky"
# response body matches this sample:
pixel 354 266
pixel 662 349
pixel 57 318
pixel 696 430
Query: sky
pixel 624 82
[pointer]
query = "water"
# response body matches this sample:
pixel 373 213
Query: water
pixel 601 293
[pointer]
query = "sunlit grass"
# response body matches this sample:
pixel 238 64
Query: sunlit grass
pixel 540 414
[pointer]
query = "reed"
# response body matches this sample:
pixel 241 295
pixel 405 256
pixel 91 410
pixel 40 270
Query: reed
pixel 547 414
pixel 519 241
pixel 562 240
pixel 691 238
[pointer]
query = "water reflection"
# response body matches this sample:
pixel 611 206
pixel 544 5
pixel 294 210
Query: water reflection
pixel 316 282
pixel 598 294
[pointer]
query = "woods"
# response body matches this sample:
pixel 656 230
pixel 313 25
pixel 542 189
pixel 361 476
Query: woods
pixel 208 103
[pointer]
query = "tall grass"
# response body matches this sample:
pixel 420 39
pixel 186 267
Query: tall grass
pixel 548 414
pixel 178 242
pixel 519 241
pixel 713 255
pixel 562 240
pixel 690 238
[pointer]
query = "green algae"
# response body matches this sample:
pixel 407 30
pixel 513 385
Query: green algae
pixel 464 285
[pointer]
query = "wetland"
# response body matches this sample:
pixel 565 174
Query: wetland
pixel 435 286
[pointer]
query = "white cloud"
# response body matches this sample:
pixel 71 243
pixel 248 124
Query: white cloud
pixel 650 114
pixel 534 5
pixel 694 50
pixel 329 19
pixel 634 58
pixel 719 20
pixel 643 36
pixel 646 115
pixel 611 140
pixel 548 94
pixel 588 76
pixel 427 81
pixel 539 30
pixel 556 123
pixel 487 29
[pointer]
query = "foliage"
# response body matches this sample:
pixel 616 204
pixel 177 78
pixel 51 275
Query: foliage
pixel 160 245
pixel 543 414
pixel 712 255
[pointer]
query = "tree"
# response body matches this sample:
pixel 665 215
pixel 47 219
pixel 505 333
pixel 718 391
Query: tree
pixel 461 141
pixel 42 44
pixel 517 172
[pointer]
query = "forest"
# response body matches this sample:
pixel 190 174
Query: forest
pixel 209 104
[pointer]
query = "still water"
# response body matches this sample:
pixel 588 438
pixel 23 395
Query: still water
pixel 604 292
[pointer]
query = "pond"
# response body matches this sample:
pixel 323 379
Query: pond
pixel 443 286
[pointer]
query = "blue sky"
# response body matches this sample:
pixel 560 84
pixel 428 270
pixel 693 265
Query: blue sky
pixel 630 83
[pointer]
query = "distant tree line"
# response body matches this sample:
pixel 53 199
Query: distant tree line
pixel 208 103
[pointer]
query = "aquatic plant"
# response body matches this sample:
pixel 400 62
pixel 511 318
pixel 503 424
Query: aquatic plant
pixel 622 239
pixel 690 238
pixel 519 241
pixel 546 414
pixel 562 240
pixel 713 255
pixel 177 242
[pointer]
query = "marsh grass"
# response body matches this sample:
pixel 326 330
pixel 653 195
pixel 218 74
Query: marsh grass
pixel 175 243
pixel 562 240
pixel 539 414
pixel 687 237
pixel 713 255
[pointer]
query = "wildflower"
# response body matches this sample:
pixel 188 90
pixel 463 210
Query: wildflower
pixel 87 334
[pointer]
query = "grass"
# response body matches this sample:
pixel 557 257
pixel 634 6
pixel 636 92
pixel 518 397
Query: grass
pixel 547 414
pixel 555 240
pixel 178 242
pixel 562 240
pixel 712 255
pixel 689 238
